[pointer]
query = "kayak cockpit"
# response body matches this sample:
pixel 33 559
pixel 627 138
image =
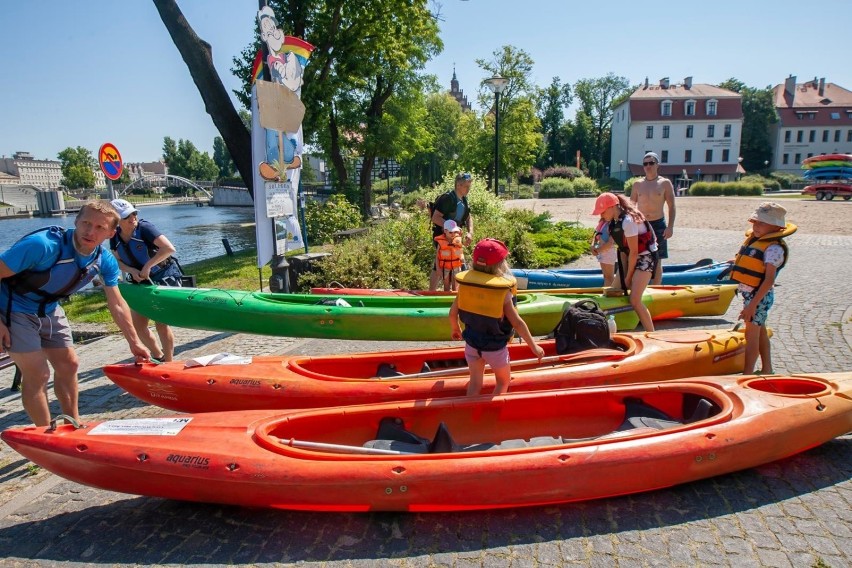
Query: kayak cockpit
pixel 515 424
pixel 418 365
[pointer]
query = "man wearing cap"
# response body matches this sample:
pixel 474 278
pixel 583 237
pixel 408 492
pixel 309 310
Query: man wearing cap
pixel 452 206
pixel 650 194
pixel 145 253
pixel 35 273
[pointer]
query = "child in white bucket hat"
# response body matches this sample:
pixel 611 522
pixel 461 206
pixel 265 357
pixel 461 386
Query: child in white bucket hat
pixel 761 257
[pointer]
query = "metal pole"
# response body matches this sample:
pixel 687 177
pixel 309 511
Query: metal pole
pixel 387 172
pixel 496 143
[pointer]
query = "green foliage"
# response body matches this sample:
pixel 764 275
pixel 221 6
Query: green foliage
pixel 324 219
pixel 78 167
pixel 597 98
pixel 768 183
pixel 759 115
pixel 557 187
pixel 222 158
pixel 785 180
pixel 713 189
pixel 610 184
pixel 561 244
pixel 564 172
pixel 185 160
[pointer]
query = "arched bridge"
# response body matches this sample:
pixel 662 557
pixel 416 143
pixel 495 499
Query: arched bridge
pixel 159 180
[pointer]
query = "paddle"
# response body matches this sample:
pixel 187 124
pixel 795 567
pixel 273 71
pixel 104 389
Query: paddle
pixel 601 353
pixel 343 449
pixel 707 267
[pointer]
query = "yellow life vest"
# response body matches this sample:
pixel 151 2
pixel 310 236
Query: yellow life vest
pixel 450 256
pixel 749 268
pixel 482 293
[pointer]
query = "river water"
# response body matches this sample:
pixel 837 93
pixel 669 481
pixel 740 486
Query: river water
pixel 196 232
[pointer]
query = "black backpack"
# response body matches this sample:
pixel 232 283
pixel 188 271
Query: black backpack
pixel 583 326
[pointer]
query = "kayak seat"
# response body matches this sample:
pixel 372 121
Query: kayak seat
pixel 704 408
pixel 704 262
pixel 443 442
pixel 387 370
pixel 392 435
pixel 640 415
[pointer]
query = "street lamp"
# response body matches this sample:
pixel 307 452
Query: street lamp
pixel 620 165
pixel 497 84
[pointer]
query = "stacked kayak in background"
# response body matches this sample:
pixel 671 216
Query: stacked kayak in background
pixel 299 381
pixel 832 174
pixel 702 272
pixel 449 454
pixel 416 318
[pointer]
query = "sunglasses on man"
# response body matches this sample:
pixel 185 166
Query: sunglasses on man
pixel 646 164
pixel 465 176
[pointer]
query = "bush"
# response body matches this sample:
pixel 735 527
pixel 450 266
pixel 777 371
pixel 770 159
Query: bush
pixel 628 184
pixel 585 185
pixel 713 189
pixel 531 177
pixel 768 183
pixel 565 172
pixel 610 184
pixel 786 180
pixel 323 220
pixel 555 187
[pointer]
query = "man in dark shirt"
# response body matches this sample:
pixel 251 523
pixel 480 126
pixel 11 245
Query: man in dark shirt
pixel 452 205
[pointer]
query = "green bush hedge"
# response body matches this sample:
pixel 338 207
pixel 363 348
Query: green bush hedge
pixel 552 188
pixel 711 189
pixel 768 183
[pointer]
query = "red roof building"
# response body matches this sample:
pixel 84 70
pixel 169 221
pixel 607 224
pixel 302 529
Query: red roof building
pixel 695 129
pixel 814 118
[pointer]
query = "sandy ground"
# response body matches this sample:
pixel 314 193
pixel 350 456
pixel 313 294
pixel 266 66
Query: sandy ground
pixel 722 213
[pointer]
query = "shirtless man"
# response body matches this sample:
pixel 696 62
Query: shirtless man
pixel 649 195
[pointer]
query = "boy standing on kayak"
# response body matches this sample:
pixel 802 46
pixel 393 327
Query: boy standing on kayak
pixel 763 254
pixel 486 305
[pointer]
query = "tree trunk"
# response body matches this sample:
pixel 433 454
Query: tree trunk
pixel 197 54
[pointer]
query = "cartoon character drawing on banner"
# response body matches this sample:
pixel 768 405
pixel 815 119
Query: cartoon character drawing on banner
pixel 286 59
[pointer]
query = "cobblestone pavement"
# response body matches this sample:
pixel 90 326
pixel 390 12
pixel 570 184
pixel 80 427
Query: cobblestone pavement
pixel 797 512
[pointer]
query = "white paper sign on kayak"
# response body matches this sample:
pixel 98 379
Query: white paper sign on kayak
pixel 141 427
pixel 217 359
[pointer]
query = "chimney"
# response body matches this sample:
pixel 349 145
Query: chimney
pixel 687 83
pixel 790 85
pixel 822 87
pixel 646 81
pixel 815 83
pixel 664 82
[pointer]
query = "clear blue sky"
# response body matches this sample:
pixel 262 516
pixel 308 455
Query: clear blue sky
pixel 83 73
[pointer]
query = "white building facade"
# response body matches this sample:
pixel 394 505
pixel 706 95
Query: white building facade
pixel 45 174
pixel 695 129
pixel 813 118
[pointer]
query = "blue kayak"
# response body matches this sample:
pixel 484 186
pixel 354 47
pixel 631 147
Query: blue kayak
pixel 704 271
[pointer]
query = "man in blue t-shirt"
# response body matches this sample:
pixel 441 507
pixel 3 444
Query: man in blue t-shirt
pixel 35 273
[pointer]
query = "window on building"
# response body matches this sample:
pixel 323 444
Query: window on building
pixel 708 156
pixel 664 157
pixel 711 130
pixel 787 134
pixel 649 132
pixel 810 154
pixel 667 128
pixel 687 156
pixel 812 136
pixel 800 135
pixel 798 158
pixel 727 131
pixel 825 135
pixel 837 136
pixel 711 107
pixel 726 155
pixel 689 108
pixel 849 135
pixel 835 116
pixel 785 159
pixel 689 131
pixel 666 108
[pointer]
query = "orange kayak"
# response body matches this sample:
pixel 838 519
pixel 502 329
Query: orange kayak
pixel 450 454
pixel 299 381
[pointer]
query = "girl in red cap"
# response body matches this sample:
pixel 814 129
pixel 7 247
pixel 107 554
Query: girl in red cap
pixel 486 305
pixel 636 242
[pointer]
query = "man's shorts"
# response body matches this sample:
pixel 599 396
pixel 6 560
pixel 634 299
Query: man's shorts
pixel 495 359
pixel 762 310
pixel 659 227
pixel 32 333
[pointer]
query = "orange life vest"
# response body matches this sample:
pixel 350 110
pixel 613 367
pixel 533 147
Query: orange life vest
pixel 749 268
pixel 450 256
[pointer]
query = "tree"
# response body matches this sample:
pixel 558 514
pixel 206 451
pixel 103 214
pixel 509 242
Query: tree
pixel 197 54
pixel 443 116
pixel 520 136
pixel 222 158
pixel 759 114
pixel 552 103
pixel 597 101
pixel 78 167
pixel 185 160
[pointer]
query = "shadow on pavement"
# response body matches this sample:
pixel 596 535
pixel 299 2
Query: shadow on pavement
pixel 139 530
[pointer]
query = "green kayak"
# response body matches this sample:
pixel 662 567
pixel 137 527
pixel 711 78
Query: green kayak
pixel 418 318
